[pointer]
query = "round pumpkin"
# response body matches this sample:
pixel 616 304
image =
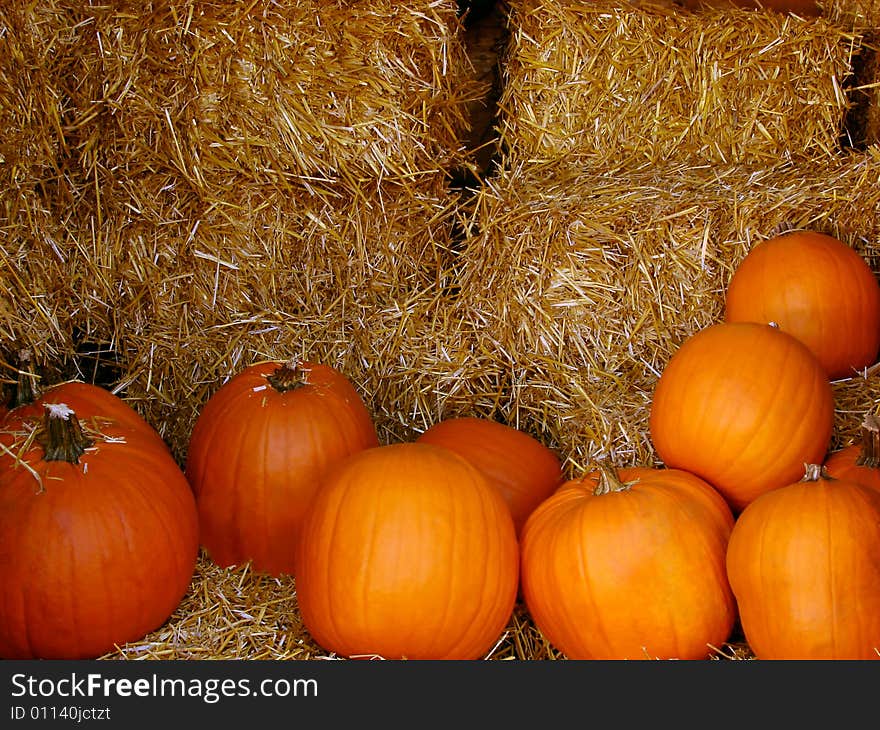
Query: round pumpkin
pixel 804 564
pixel 100 536
pixel 523 469
pixel 743 406
pixel 629 564
pixel 859 462
pixel 407 552
pixel 817 288
pixel 258 451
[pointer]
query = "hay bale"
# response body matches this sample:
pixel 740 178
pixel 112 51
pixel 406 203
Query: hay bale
pixel 34 45
pixel 599 82
pixel 35 54
pixel 187 296
pixel 225 93
pixel 578 285
pixel 236 181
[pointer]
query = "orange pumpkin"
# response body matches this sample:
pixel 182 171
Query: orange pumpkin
pixel 523 469
pixel 859 462
pixel 258 451
pixel 100 536
pixel 804 565
pixel 744 406
pixel 818 289
pixel 630 565
pixel 407 552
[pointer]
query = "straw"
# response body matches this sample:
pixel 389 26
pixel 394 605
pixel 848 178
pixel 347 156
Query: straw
pixel 601 82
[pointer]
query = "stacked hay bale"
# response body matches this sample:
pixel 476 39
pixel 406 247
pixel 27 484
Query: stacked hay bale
pixel 35 59
pixel 643 84
pixel 644 149
pixel 232 182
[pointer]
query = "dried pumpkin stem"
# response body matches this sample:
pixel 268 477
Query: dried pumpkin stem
pixel 289 376
pixel 61 436
pixel 26 390
pixel 609 481
pixel 870 452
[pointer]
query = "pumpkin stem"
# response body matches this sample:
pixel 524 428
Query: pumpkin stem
pixel 61 436
pixel 289 376
pixel 815 472
pixel 782 228
pixel 26 390
pixel 870 453
pixel 609 481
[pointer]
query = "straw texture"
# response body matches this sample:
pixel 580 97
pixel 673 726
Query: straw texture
pixel 223 92
pixel 600 82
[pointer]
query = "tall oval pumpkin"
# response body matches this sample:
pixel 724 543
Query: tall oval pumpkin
pixel 407 552
pixel 742 405
pixel 804 565
pixel 99 536
pixel 630 565
pixel 258 452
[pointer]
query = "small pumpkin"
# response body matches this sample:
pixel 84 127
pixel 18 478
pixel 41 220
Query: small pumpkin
pixel 407 552
pixel 629 564
pixel 100 536
pixel 258 451
pixel 804 564
pixel 742 405
pixel 523 469
pixel 859 462
pixel 818 289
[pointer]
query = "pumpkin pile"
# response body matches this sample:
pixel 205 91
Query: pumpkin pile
pixel 422 549
pixel 756 422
